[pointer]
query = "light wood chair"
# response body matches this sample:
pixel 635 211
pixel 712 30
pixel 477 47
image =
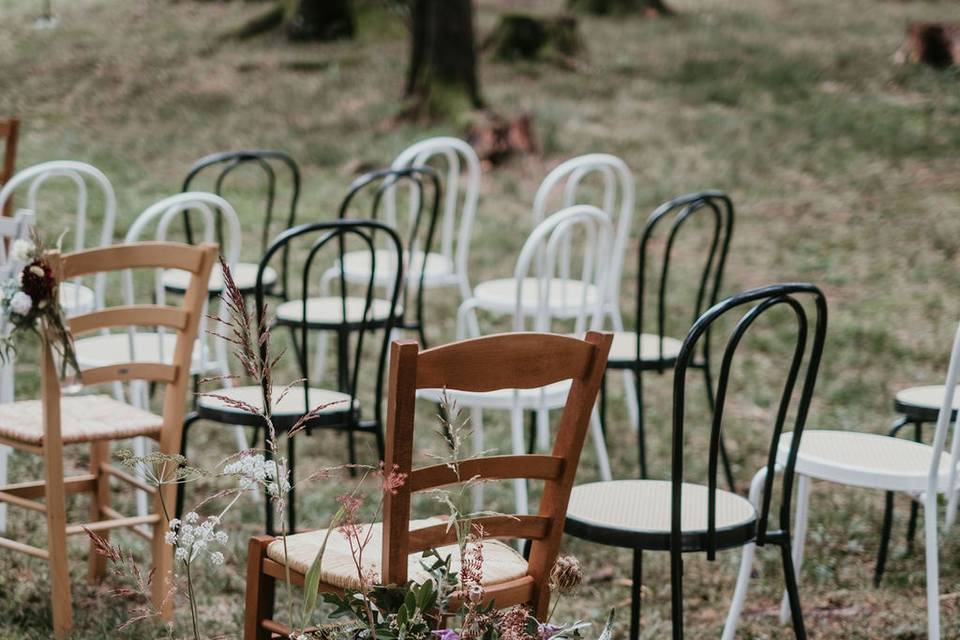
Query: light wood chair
pixel 10 133
pixel 506 361
pixel 44 426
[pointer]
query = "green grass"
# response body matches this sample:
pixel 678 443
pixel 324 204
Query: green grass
pixel 842 165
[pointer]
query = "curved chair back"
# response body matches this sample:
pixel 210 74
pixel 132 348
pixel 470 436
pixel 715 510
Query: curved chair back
pixel 751 305
pixel 418 233
pixel 944 418
pixel 675 214
pixel 318 244
pixel 157 220
pixel 82 176
pixel 578 234
pixel 617 200
pixel 506 361
pixel 221 170
pixel 460 198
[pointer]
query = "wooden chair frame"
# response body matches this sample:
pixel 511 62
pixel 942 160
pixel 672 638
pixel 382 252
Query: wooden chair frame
pixel 10 132
pixel 506 361
pixel 55 487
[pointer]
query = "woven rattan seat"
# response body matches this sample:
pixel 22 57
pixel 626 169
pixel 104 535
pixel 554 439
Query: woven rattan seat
pixel 83 419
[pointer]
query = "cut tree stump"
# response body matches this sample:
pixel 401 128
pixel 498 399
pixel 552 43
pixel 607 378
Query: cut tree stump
pixel 933 43
pixel 519 36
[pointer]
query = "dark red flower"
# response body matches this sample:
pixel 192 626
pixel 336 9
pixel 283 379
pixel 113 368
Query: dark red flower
pixel 38 282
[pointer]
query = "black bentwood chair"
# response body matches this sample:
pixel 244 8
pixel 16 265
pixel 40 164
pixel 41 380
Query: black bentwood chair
pixel 640 350
pixel 354 319
pixel 273 176
pixel 682 517
pixel 417 233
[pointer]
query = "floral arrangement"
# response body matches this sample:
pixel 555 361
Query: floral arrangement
pixel 448 606
pixel 29 302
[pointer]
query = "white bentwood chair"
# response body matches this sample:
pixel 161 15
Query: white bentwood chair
pixel 11 229
pixel 210 357
pixel 569 183
pixel 448 266
pixel 550 249
pixel 873 461
pixel 75 297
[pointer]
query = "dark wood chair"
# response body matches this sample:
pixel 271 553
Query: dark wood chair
pixel 9 132
pixel 506 361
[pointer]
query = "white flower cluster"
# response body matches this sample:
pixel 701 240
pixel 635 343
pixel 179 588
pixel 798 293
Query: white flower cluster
pixel 22 250
pixel 191 538
pixel 256 470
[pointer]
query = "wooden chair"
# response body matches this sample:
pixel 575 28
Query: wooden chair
pixel 10 132
pixel 44 426
pixel 506 361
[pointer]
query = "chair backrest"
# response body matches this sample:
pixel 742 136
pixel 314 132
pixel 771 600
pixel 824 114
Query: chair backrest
pixel 460 201
pixel 617 199
pixel 184 320
pixel 80 174
pixel 944 418
pixel 759 301
pixel 157 219
pixel 219 168
pixel 717 208
pixel 506 361
pixel 417 232
pixel 578 236
pixel 10 134
pixel 318 244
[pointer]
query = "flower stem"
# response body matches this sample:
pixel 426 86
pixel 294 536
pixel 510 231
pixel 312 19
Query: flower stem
pixel 193 602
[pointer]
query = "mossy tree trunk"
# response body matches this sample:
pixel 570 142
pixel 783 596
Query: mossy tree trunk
pixel 442 75
pixel 318 19
pixel 619 7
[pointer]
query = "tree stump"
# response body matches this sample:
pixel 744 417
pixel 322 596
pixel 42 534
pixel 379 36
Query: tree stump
pixel 650 8
pixel 520 36
pixel 933 43
pixel 496 138
pixel 320 20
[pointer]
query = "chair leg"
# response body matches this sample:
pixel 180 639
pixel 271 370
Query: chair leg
pixel 260 591
pixel 641 434
pixel 516 431
pixel 162 553
pixel 746 566
pixel 884 540
pixel 636 594
pixel 543 430
pixel 630 395
pixel 799 536
pixel 57 541
pixel 181 486
pixel 99 454
pixel 5 452
pixel 479 444
pixel 603 460
pixel 676 592
pixel 793 592
pixel 933 567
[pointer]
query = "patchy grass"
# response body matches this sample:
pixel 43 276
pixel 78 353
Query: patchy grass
pixel 843 168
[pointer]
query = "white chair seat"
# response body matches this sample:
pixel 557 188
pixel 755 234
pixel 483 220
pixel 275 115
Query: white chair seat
pixel 500 562
pixel 76 299
pixel 566 296
pixel 928 397
pixel 624 347
pixel 552 396
pixel 114 348
pixel 643 506
pixel 865 460
pixel 244 274
pixel 83 419
pixel 329 310
pixel 290 405
pixel 357 265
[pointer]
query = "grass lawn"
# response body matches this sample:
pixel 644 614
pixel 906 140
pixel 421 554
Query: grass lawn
pixel 843 167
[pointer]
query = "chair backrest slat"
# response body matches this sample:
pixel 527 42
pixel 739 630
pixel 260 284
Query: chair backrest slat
pixel 149 371
pixel 140 315
pixel 531 467
pixel 162 255
pixel 507 361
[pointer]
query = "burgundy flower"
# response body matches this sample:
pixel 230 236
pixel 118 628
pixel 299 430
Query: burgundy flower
pixel 38 282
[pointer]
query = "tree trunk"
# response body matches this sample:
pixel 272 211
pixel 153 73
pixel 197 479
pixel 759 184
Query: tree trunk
pixel 319 19
pixel 442 75
pixel 620 7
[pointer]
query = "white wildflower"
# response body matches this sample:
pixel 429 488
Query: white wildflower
pixel 193 538
pixel 170 538
pixel 22 250
pixel 191 518
pixel 255 470
pixel 216 558
pixel 174 524
pixel 21 303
